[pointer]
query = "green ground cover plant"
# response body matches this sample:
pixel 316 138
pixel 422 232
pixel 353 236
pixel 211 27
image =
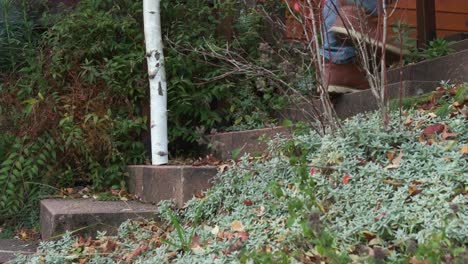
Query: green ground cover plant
pixel 363 196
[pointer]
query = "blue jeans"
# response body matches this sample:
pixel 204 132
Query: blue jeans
pixel 333 49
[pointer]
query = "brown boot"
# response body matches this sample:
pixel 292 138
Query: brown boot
pixel 355 25
pixel 345 78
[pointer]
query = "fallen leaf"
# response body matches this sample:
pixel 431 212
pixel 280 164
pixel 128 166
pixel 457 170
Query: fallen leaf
pixel 259 211
pixel 243 236
pixel 413 190
pixel 369 235
pixel 446 134
pixel 171 255
pixel 433 129
pixel 237 226
pixel 248 202
pixel 109 246
pixel 391 155
pixel 417 182
pixel 464 149
pixel 396 161
pixel 136 252
pixel 195 241
pixel 432 115
pixel 346 179
pixel 198 250
pixel 393 183
pixel 82 260
pixel 215 230
pixel 413 260
pixel 375 242
pixel 408 121
pixel 223 168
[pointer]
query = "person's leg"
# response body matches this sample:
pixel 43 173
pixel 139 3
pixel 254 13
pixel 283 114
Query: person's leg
pixel 342 74
pixel 358 21
pixel 334 50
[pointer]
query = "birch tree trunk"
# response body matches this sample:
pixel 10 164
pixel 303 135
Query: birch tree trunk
pixel 157 80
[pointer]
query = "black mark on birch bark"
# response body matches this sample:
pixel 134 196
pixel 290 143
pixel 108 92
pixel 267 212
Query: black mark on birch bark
pixel 152 12
pixel 157 55
pixel 162 153
pixel 160 91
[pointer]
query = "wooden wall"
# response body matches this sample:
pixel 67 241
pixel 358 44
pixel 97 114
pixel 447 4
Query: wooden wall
pixel 451 17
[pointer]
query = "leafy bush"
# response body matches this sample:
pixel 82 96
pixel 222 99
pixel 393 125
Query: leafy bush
pixel 81 94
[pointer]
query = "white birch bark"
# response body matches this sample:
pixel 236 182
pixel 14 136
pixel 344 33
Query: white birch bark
pixel 157 80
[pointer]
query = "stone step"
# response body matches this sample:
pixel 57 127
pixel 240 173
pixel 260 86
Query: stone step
pixel 87 216
pixel 452 67
pixel 460 45
pixel 152 184
pixel 11 247
pixel 351 104
pixel 248 141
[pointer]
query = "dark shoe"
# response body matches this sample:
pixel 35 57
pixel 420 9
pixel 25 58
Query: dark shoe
pixel 345 78
pixel 354 23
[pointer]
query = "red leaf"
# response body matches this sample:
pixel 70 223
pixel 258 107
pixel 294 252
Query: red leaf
pixel 296 7
pixel 248 202
pixel 433 129
pixel 346 179
pixel 312 171
pixel 243 236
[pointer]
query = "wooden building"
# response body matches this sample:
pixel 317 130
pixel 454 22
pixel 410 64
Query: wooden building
pixel 451 17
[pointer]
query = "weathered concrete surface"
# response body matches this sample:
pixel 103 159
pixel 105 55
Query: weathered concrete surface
pixel 249 141
pixel 10 247
pixel 452 67
pixel 87 216
pixel 351 104
pixel 152 184
pixel 347 105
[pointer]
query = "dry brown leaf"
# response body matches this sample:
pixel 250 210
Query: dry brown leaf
pixel 248 202
pixel 464 149
pixel 222 168
pixel 408 121
pixel 413 260
pixel 243 236
pixel 259 211
pixel 395 161
pixel 392 182
pixel 109 246
pixel 82 260
pixel 391 155
pixel 171 255
pixel 413 190
pixel 417 182
pixel 135 252
pixel 369 235
pixel 237 226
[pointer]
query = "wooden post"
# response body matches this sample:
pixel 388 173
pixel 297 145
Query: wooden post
pixel 426 19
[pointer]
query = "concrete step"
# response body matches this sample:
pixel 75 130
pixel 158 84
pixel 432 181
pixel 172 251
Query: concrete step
pixel 249 141
pixel 87 216
pixel 460 45
pixel 152 184
pixel 351 104
pixel 452 67
pixel 11 247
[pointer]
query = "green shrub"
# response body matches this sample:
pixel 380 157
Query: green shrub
pixel 83 89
